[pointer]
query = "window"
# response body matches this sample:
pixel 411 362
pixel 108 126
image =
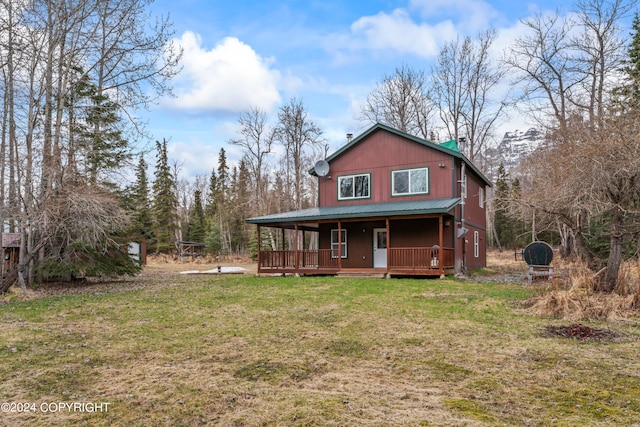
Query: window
pixel 481 197
pixel 410 181
pixel 476 244
pixel 334 243
pixel 354 187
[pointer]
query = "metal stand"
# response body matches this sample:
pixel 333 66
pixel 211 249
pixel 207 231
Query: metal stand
pixel 540 271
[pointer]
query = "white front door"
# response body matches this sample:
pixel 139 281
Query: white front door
pixel 379 248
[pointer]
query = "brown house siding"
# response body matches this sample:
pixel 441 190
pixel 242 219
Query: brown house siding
pixel 383 153
pixel 359 242
pixel 414 233
pixel 406 233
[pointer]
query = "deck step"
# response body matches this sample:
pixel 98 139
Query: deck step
pixel 363 274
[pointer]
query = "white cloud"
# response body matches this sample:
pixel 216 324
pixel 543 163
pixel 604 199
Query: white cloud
pixel 421 28
pixel 471 15
pixel 193 157
pixel 230 77
pixel 398 31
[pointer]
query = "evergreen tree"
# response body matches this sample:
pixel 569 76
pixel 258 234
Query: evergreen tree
pixel 519 231
pixel 213 239
pixel 141 203
pixel 502 222
pixel 165 202
pixel 223 205
pixel 212 195
pixel 629 93
pixel 222 186
pixel 107 148
pixel 96 132
pixel 196 227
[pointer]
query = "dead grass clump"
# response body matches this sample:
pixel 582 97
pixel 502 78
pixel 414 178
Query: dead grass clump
pixel 577 304
pixel 582 301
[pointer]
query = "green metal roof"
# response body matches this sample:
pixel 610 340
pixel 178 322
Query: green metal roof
pixel 416 207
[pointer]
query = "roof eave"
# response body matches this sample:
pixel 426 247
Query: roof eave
pixel 414 138
pixel 293 218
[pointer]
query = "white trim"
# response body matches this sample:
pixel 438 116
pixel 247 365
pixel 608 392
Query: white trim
pixel 353 186
pixel 476 244
pixel 408 171
pixel 343 243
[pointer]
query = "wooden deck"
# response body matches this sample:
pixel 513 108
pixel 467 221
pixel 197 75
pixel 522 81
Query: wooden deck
pixel 414 261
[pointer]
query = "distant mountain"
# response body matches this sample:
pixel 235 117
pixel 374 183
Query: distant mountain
pixel 514 147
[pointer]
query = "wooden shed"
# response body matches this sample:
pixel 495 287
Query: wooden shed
pixel 10 250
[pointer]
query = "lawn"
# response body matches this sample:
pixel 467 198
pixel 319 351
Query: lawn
pixel 165 349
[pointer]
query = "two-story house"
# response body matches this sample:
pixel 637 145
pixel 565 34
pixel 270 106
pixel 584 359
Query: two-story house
pixel 390 204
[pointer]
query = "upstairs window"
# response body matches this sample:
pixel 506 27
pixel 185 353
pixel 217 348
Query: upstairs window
pixel 410 181
pixel 354 187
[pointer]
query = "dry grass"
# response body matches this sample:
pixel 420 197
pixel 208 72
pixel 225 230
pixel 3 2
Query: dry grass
pixel 166 349
pixel 572 296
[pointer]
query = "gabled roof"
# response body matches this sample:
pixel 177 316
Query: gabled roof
pixel 415 207
pixel 444 148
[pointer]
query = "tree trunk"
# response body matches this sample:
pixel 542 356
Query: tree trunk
pixel 615 253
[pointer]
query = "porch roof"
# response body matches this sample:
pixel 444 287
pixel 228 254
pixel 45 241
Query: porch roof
pixel 414 207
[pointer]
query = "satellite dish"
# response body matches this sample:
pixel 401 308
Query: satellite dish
pixel 321 167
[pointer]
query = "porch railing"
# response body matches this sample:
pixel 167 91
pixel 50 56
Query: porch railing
pixel 307 259
pixel 420 258
pixel 414 258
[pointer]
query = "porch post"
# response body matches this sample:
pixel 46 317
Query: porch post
pixel 387 243
pixel 339 245
pixel 297 254
pixel 259 250
pixel 441 244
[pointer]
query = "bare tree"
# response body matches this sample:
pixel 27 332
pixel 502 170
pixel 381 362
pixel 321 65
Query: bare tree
pixel 544 68
pixel 590 174
pixel 588 171
pixel 402 100
pixel 599 52
pixel 47 50
pixel 256 141
pixel 299 136
pixel 465 81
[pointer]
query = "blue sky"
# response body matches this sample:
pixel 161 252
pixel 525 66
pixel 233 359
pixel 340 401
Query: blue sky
pixel 330 54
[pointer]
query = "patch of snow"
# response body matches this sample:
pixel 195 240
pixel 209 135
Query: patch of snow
pixel 215 270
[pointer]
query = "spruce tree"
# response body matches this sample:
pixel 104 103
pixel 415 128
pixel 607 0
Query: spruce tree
pixel 502 223
pixel 97 137
pixel 196 226
pixel 223 178
pixel 212 195
pixel 629 93
pixel 222 201
pixel 141 203
pixel 165 202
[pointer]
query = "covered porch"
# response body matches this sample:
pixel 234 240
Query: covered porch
pixel 411 239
